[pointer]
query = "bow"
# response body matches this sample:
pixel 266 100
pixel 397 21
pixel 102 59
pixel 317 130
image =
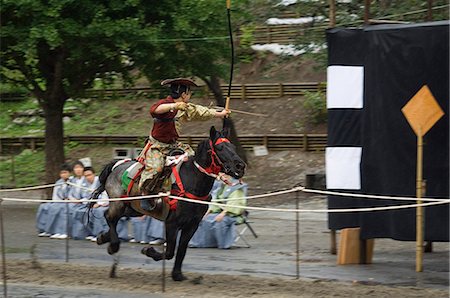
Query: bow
pixel 227 103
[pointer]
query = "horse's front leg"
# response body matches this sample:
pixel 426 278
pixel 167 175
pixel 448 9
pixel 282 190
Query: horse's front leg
pixel 171 241
pixel 186 234
pixel 115 211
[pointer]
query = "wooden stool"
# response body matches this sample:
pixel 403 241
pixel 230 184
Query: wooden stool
pixel 353 250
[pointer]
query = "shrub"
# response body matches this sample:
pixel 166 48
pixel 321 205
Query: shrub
pixel 315 107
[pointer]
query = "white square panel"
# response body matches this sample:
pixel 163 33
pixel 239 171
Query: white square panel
pixel 345 87
pixel 343 169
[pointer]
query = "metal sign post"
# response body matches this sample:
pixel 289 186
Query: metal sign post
pixel 297 234
pixel 2 237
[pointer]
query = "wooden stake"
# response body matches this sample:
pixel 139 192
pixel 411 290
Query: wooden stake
pixel 366 12
pixel 419 212
pixel 332 13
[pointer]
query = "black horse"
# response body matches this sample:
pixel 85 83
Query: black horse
pixel 213 154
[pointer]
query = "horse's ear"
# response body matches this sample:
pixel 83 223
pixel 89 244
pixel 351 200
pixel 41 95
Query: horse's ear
pixel 213 133
pixel 225 132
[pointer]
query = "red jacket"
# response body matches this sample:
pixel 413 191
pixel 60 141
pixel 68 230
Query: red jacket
pixel 164 124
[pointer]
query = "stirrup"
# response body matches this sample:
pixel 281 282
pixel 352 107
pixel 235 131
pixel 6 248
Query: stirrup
pixel 145 204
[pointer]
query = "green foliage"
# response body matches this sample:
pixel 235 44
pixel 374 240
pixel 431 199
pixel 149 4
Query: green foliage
pixel 245 52
pixel 315 106
pixel 28 169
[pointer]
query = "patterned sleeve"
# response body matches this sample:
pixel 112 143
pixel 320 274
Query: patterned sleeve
pixel 197 112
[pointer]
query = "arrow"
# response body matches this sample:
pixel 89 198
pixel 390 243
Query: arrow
pixel 240 112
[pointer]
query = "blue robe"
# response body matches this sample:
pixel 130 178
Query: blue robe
pixel 46 212
pixel 211 233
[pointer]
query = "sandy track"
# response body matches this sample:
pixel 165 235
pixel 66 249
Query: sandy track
pixel 138 281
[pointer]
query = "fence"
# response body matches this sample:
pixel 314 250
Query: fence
pixel 278 142
pixel 238 91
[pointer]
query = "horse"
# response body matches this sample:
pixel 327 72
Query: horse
pixel 213 155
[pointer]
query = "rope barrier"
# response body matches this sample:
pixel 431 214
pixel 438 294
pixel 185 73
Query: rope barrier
pixel 238 206
pixel 30 187
pixel 314 210
pixel 380 197
pixel 276 193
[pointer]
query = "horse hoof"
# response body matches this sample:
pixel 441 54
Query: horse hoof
pixel 112 249
pixel 112 273
pixel 99 240
pixel 178 276
pixel 151 253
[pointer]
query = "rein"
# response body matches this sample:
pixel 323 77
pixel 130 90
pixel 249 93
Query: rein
pixel 215 167
pixel 212 170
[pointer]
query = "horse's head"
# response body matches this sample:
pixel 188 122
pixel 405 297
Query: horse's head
pixel 222 155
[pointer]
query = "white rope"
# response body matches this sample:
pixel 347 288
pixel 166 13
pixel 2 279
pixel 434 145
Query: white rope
pixel 341 194
pixel 29 188
pixel 313 210
pixel 344 194
pixel 238 206
pixel 299 188
pixel 79 186
pixel 86 200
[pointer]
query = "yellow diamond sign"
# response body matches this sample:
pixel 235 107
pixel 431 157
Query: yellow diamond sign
pixel 422 111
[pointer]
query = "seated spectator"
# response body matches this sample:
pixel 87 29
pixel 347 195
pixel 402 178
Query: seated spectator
pixel 217 229
pixel 60 192
pixel 57 224
pixel 80 227
pixel 147 230
pixel 97 222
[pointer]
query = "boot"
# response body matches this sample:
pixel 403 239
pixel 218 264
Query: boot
pixel 153 186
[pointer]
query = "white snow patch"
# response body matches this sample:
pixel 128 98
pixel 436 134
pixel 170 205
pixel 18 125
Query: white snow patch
pixel 288 50
pixel 278 49
pixel 286 2
pixel 290 21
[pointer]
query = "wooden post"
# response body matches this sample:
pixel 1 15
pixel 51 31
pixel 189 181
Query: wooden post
pixel 419 212
pixel 333 242
pixel 305 142
pixel 429 17
pixel 366 12
pixel 33 144
pixel 280 89
pixel 243 91
pixel 332 14
pixel 265 141
pixel 13 170
pixel 297 234
pixel 3 246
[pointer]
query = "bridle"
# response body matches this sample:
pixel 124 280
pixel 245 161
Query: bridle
pixel 216 163
pixel 213 170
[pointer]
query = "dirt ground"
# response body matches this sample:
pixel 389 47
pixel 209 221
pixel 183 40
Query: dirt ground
pixel 138 281
pixel 267 269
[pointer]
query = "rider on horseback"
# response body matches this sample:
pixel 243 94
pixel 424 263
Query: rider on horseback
pixel 167 114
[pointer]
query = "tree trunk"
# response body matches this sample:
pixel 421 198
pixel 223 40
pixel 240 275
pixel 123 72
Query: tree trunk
pixel 214 85
pixel 54 139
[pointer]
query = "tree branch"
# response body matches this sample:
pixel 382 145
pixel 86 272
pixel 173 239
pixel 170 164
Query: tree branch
pixel 27 73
